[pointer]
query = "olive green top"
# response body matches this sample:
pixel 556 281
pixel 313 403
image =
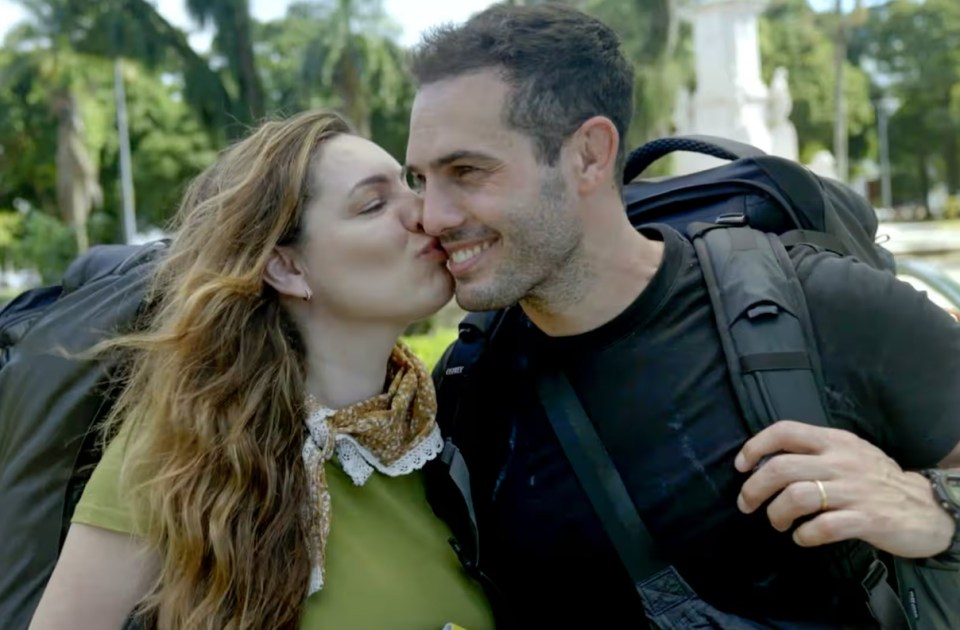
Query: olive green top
pixel 388 561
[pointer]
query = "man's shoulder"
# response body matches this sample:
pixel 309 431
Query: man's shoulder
pixel 829 277
pixel 854 304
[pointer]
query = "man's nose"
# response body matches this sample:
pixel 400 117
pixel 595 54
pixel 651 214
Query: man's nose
pixel 439 212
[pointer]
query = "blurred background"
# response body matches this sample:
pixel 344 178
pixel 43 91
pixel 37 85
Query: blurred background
pixel 108 107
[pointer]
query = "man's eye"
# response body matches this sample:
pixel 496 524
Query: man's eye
pixel 464 171
pixel 415 181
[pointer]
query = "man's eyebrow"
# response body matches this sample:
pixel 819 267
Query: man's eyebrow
pixel 461 155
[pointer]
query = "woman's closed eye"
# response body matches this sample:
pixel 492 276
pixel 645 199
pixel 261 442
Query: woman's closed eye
pixel 374 205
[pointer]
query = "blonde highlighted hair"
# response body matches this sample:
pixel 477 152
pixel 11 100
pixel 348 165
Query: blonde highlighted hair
pixel 213 397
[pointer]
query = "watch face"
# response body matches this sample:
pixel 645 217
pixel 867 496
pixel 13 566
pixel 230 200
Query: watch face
pixel 951 483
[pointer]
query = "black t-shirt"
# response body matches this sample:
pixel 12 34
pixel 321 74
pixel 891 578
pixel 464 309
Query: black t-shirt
pixel 655 384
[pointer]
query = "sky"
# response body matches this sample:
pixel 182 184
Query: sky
pixel 413 21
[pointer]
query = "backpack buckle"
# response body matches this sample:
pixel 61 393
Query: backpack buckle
pixel 732 218
pixel 469 564
pixel 876 574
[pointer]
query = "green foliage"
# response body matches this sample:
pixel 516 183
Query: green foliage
pixel 11 227
pixel 430 347
pixel 794 37
pixel 45 244
pixel 181 104
pixel 168 147
pixel 235 43
pixel 340 54
pixel 662 56
pixel 168 143
pixel 915 47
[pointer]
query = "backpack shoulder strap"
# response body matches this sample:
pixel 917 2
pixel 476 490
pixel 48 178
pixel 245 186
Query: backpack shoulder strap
pixel 450 374
pixel 767 338
pixel 448 478
pixel 600 479
pixel 764 327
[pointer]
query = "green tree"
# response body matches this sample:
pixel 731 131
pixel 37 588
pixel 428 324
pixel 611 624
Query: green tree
pixel 46 72
pixel 168 141
pixel 234 40
pixel 168 145
pixel 915 47
pixel 340 54
pixel 794 37
pixel 133 29
pixel 659 47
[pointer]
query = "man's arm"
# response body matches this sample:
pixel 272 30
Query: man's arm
pixel 898 357
pixel 953 459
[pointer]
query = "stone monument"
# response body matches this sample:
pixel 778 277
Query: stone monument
pixel 731 99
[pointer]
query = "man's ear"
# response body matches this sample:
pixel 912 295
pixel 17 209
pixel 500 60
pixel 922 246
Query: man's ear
pixel 595 145
pixel 286 274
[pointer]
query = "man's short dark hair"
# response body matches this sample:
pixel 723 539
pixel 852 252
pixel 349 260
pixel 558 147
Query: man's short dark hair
pixel 563 67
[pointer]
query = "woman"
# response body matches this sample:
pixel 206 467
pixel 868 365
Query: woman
pixel 297 262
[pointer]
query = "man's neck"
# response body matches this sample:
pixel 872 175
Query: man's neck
pixel 613 268
pixel 347 364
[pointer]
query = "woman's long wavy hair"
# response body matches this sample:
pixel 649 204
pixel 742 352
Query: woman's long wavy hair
pixel 212 404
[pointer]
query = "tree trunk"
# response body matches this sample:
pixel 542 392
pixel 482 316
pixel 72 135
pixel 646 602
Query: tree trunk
pixel 77 187
pixel 924 182
pixel 126 161
pixel 350 87
pixel 840 139
pixel 951 161
pixel 245 68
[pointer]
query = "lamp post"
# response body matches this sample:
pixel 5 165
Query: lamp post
pixel 886 107
pixel 126 168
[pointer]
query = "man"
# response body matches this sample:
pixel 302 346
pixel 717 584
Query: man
pixel 516 143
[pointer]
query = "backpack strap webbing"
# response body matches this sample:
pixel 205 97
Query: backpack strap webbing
pixel 771 352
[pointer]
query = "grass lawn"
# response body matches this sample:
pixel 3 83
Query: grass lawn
pixel 7 294
pixel 430 347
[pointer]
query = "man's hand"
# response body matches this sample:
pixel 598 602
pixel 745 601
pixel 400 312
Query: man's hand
pixel 866 495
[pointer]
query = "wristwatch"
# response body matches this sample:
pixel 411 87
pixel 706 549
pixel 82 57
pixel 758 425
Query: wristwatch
pixel 946 489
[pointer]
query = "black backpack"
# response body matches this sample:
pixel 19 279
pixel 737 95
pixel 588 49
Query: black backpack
pixel 742 218
pixel 51 405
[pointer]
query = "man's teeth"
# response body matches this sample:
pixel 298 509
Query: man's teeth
pixel 463 255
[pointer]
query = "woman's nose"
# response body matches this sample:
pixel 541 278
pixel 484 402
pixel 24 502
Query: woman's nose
pixel 411 213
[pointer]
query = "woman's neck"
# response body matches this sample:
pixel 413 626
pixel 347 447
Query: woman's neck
pixel 348 364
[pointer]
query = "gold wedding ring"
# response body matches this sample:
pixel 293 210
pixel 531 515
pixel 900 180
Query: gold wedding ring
pixel 824 502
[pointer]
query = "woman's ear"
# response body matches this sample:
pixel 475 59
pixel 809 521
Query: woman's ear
pixel 285 274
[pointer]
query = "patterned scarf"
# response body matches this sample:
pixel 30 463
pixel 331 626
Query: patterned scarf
pixel 394 432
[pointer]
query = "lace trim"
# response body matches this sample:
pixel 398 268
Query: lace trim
pixel 359 463
pixel 316 580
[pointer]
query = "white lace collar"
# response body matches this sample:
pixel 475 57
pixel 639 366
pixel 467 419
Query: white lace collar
pixel 358 462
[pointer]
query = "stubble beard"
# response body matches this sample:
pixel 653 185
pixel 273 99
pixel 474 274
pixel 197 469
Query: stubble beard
pixel 540 258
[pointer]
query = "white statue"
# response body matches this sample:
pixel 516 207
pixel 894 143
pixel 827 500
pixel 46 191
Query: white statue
pixel 824 164
pixel 779 106
pixel 683 112
pixel 731 98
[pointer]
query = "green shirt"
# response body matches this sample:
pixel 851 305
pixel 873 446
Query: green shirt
pixel 388 561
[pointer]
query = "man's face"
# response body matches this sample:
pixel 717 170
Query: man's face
pixel 506 220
